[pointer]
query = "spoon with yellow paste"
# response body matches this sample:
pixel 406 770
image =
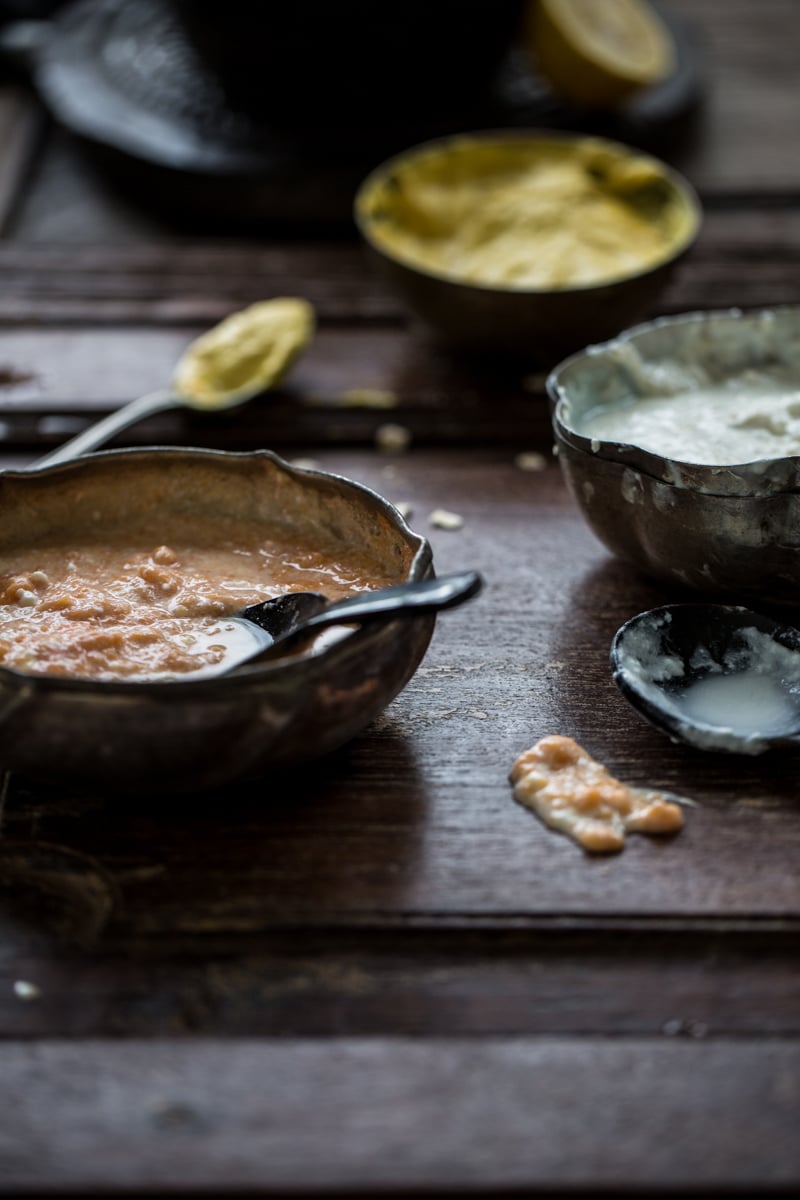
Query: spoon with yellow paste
pixel 247 353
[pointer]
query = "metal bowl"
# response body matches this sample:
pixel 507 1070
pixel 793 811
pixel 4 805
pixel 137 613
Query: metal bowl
pixel 731 531
pixel 537 324
pixel 187 735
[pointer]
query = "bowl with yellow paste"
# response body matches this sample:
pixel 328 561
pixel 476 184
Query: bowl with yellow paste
pixel 525 242
pixel 680 442
pixel 107 561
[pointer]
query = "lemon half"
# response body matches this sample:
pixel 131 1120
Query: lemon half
pixel 598 53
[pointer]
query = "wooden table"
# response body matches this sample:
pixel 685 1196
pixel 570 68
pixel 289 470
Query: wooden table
pixel 380 973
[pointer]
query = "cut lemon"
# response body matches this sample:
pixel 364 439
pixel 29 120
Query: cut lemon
pixel 597 53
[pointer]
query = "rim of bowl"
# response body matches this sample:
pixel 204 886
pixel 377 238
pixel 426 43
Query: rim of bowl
pixel 660 466
pixel 677 181
pixel 421 564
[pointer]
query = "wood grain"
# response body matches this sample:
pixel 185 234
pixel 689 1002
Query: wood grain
pixel 416 817
pixel 379 974
pixel 751 93
pixel 739 143
pixel 418 981
pixel 358 1115
pixel 743 256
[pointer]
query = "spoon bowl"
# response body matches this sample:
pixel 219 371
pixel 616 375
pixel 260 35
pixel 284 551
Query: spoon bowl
pixel 717 677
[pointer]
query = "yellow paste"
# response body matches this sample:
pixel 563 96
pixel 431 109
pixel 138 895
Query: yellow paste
pixel 249 352
pixel 527 213
pixel 576 795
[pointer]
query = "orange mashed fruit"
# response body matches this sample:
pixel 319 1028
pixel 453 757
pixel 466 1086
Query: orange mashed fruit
pixel 117 609
pixel 573 793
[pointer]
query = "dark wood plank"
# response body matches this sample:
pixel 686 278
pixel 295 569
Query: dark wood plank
pixel 64 351
pixel 738 143
pixel 53 382
pixel 189 281
pixel 366 1115
pixel 743 256
pixel 690 984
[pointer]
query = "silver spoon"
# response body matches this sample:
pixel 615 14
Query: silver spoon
pixel 718 677
pixel 259 344
pixel 257 630
pixel 103 431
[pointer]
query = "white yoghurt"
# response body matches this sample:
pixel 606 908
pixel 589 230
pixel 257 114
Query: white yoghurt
pixel 745 703
pixel 749 416
pixel 744 699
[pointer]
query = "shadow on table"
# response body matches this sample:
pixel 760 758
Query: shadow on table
pixel 325 840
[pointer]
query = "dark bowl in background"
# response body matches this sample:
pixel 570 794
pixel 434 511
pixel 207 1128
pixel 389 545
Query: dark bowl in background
pixel 311 65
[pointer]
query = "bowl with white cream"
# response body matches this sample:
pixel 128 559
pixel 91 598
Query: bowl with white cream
pixel 680 441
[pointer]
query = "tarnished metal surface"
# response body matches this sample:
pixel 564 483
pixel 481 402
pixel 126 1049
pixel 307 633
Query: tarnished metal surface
pixel 722 530
pixel 187 735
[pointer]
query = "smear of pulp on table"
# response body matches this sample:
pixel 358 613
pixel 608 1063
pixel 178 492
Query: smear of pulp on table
pixel 573 793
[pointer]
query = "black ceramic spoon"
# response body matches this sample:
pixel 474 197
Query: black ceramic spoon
pixel 256 630
pixel 715 676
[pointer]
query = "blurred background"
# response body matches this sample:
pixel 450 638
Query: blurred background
pixel 243 115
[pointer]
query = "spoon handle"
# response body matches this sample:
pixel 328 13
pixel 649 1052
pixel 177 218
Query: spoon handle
pixel 431 595
pixel 114 423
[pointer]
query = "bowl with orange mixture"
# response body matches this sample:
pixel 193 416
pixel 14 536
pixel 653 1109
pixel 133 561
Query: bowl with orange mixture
pixel 103 558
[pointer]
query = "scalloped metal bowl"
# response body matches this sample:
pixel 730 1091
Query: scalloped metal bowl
pixel 721 530
pixel 538 324
pixel 189 735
